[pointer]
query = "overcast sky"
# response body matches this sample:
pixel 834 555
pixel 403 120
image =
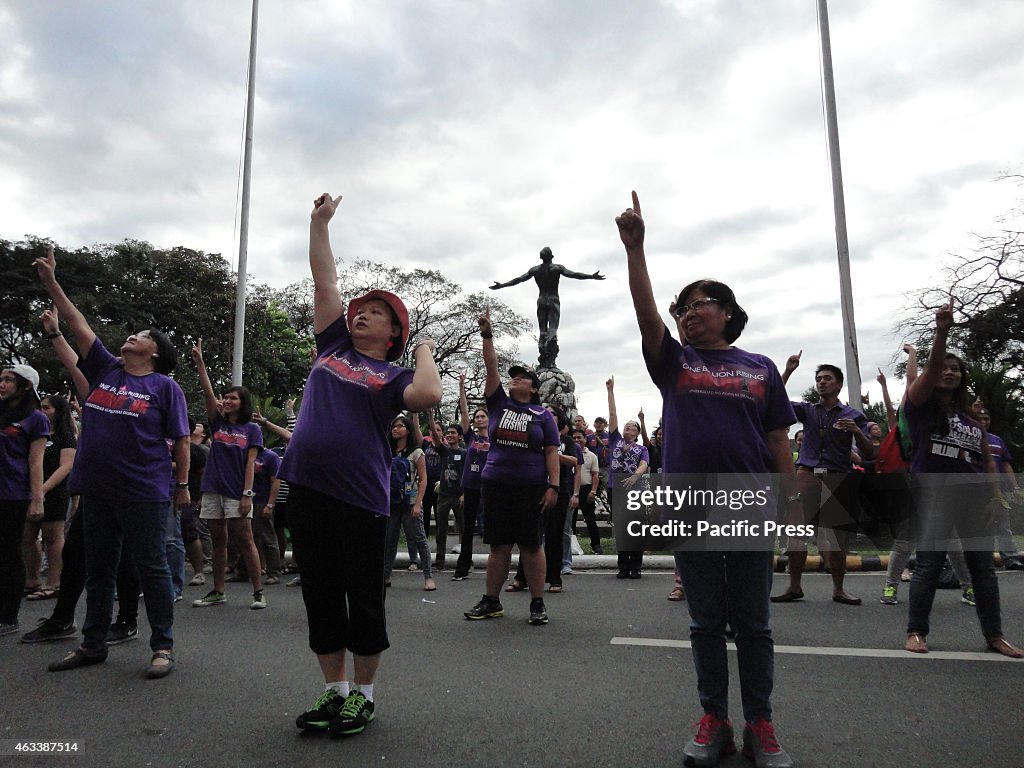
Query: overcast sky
pixel 466 136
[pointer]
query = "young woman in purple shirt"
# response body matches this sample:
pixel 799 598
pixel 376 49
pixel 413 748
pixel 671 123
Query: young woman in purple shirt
pixel 23 432
pixel 338 467
pixel 123 473
pixel 725 411
pixel 478 443
pixel 520 480
pixel 954 476
pixel 235 442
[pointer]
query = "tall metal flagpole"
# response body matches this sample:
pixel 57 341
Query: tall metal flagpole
pixel 243 235
pixel 839 204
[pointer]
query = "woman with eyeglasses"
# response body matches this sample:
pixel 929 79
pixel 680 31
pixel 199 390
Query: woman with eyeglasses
pixel 725 411
pixel 123 473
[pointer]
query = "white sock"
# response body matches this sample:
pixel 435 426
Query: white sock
pixel 341 687
pixel 367 691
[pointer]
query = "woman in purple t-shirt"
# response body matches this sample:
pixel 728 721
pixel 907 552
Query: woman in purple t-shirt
pixel 227 487
pixel 478 443
pixel 520 480
pixel 952 469
pixel 725 411
pixel 338 468
pixel 23 432
pixel 628 461
pixel 123 474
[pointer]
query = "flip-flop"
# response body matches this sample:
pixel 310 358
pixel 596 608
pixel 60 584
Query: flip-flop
pixel 677 594
pixel 44 593
pixel 916 644
pixel 1000 645
pixel 515 586
pixel 846 600
pixel 555 588
pixel 788 597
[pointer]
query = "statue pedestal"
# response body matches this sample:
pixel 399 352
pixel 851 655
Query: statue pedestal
pixel 558 388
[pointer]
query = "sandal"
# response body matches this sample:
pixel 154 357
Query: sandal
pixel 429 585
pixel 1000 645
pixel 677 594
pixel 515 586
pixel 31 590
pixel 44 593
pixel 160 665
pixel 788 597
pixel 555 588
pixel 916 644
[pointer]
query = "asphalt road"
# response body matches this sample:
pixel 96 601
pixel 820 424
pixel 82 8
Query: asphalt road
pixel 577 692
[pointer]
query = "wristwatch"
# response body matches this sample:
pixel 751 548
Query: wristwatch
pixel 250 492
pixel 181 485
pixel 794 497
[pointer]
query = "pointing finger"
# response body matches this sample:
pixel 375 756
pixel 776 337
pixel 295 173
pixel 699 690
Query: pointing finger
pixel 636 204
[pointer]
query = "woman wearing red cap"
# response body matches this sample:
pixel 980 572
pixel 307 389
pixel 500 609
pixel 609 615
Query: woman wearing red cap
pixel 338 467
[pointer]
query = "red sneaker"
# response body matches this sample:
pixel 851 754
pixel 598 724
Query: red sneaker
pixel 761 746
pixel 714 739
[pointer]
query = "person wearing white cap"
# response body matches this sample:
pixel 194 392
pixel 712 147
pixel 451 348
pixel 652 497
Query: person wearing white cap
pixel 23 432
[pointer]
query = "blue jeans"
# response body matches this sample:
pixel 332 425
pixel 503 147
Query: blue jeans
pixel 733 588
pixel 175 547
pixel 107 523
pixel 415 539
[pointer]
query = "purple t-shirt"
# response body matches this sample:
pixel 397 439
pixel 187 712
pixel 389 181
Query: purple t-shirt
pixel 599 445
pixel 519 434
pixel 340 446
pixel 126 421
pixel 268 464
pixel 229 448
pixel 957 451
pixel 824 445
pixel 625 458
pixel 476 458
pixel 718 406
pixel 15 440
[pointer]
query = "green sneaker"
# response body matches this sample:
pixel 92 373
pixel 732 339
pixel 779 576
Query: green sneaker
pixel 889 595
pixel 213 597
pixel 967 596
pixel 324 710
pixel 356 713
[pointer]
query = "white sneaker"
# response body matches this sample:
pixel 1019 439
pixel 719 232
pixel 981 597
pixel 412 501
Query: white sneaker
pixel 198 580
pixel 413 567
pixel 258 600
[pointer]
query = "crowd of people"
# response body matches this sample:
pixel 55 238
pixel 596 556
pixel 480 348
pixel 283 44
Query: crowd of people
pixel 129 492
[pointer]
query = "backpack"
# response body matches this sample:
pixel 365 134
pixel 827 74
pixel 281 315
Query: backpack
pixel 401 480
pixel 890 456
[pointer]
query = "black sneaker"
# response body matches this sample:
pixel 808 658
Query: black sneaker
pixel 324 710
pixel 49 630
pixel 79 658
pixel 356 713
pixel 538 613
pixel 459 576
pixel 121 632
pixel 487 608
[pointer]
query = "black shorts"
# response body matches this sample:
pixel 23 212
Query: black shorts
pixel 55 508
pixel 340 551
pixel 281 515
pixel 512 513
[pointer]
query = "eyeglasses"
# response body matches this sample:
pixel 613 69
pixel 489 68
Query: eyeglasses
pixel 696 305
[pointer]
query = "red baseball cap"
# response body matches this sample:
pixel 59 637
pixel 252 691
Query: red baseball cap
pixel 397 306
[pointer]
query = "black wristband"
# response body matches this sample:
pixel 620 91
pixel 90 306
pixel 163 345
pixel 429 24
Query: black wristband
pixel 486 335
pixel 53 335
pixel 181 485
pixel 553 487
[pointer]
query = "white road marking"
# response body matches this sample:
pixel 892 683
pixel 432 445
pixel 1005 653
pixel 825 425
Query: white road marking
pixel 811 650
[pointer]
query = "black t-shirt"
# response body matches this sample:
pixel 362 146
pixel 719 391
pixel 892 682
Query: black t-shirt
pixel 55 443
pixel 452 463
pixel 197 455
